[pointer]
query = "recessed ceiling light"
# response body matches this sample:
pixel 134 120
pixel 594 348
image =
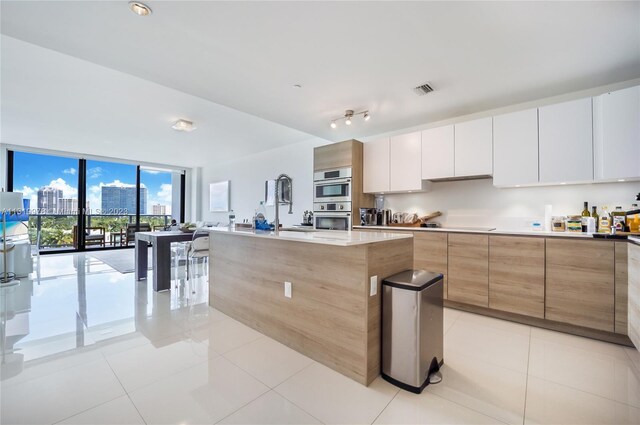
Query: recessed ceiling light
pixel 139 8
pixel 563 183
pixel 183 125
pixel 620 180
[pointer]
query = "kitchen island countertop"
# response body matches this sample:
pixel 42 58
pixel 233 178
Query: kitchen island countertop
pixel 324 237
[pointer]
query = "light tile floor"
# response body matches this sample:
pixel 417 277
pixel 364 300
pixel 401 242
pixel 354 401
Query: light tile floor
pixel 84 344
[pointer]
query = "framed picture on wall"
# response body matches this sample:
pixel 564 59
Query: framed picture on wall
pixel 219 196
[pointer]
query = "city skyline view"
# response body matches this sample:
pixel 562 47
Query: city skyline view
pixel 34 172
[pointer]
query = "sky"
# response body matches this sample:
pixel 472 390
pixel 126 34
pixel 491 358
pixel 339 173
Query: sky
pixel 32 171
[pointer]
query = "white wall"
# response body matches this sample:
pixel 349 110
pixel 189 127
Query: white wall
pixel 478 203
pixel 248 174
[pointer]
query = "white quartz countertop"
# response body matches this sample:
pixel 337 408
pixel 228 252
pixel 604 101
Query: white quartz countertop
pixel 324 237
pixel 479 230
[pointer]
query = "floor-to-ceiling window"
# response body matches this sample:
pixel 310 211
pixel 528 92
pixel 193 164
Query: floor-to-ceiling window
pixel 159 186
pixel 78 204
pixel 50 183
pixel 112 199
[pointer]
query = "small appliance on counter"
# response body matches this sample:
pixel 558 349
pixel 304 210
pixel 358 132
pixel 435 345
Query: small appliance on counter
pixel 307 218
pixel 368 217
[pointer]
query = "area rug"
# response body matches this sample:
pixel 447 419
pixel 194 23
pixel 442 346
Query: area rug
pixel 122 260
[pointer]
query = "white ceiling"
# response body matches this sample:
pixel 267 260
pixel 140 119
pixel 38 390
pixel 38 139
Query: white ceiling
pixel 247 55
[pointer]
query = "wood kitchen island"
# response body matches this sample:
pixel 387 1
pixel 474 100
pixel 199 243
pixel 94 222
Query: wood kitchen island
pixel 333 315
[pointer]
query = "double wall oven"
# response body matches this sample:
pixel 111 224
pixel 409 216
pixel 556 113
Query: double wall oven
pixel 332 199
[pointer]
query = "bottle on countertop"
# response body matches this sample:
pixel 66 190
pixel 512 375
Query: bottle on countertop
pixel 585 215
pixel 232 219
pixel 633 221
pixel 618 219
pixel 594 214
pixel 605 221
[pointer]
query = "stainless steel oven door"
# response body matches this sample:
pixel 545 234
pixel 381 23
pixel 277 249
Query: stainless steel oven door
pixel 337 190
pixel 332 221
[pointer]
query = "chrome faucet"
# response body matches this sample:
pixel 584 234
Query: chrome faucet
pixel 288 179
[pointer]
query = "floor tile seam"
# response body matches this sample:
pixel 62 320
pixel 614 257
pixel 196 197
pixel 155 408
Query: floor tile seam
pixel 386 405
pixel 245 404
pixel 240 346
pixel 588 392
pixel 293 402
pixel 526 385
pixel 473 409
pixel 491 363
pixel 14 384
pixel 155 381
pixel 89 408
pixel 462 321
pixel 619 359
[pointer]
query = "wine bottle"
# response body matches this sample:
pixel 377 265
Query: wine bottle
pixel 585 214
pixel 594 214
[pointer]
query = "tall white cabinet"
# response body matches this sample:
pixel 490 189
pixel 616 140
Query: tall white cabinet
pixel 375 173
pixel 566 142
pixel 437 153
pixel 473 148
pixel 405 171
pixel 515 148
pixel 616 125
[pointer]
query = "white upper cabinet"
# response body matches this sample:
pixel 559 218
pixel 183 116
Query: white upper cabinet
pixel 473 148
pixel 616 125
pixel 437 153
pixel 566 142
pixel 376 166
pixel 515 148
pixel 405 162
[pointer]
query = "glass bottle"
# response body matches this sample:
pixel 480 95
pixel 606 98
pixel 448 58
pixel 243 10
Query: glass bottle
pixel 596 217
pixel 585 214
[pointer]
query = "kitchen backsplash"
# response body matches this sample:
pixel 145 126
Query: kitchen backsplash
pixel 478 203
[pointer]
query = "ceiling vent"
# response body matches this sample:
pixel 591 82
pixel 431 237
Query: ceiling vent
pixel 423 89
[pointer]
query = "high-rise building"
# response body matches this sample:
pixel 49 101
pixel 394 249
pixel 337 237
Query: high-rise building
pixel 122 200
pixel 67 206
pixel 48 198
pixel 159 209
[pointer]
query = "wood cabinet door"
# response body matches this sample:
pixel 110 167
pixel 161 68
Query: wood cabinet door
pixel 405 168
pixel 430 253
pixel 580 283
pixel 376 166
pixel 515 148
pixel 566 142
pixel 616 134
pixel 468 269
pixel 473 148
pixel 437 153
pixel 516 274
pixel 621 288
pixel 335 155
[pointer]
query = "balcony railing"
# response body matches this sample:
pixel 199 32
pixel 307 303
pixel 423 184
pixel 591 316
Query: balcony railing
pixel 55 231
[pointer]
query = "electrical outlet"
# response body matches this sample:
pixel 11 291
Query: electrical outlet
pixel 287 289
pixel 373 288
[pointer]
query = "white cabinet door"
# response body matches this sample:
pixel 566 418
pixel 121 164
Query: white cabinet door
pixel 437 153
pixel 376 166
pixel 616 125
pixel 566 142
pixel 405 162
pixel 473 148
pixel 515 148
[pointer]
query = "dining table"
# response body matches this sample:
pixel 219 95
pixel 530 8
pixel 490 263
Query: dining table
pixel 160 242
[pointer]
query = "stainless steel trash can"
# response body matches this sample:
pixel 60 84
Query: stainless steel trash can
pixel 412 334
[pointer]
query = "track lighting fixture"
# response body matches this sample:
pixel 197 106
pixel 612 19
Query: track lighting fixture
pixel 348 117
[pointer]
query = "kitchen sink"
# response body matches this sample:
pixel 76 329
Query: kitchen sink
pixel 298 229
